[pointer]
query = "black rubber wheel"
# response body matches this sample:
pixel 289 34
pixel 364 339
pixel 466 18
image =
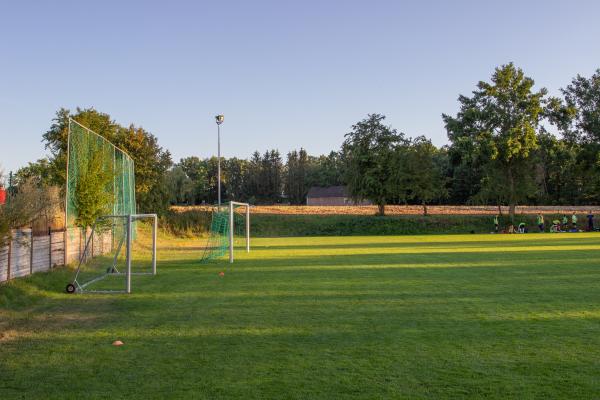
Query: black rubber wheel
pixel 110 270
pixel 70 288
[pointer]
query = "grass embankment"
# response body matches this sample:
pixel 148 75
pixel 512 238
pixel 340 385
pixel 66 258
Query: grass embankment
pixel 440 317
pixel 196 222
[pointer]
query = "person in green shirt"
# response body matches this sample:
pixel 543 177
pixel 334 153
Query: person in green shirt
pixel 565 223
pixel 496 223
pixel 540 222
pixel 574 221
pixel 522 227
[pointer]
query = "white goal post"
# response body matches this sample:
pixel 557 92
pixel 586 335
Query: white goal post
pixel 231 227
pixel 80 285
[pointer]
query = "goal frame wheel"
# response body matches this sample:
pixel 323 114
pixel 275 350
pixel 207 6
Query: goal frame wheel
pixel 70 288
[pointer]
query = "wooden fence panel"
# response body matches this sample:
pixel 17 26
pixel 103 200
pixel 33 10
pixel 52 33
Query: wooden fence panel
pixel 22 257
pixel 4 264
pixel 57 240
pixel 40 254
pixel 20 254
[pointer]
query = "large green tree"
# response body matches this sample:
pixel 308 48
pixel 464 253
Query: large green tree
pixel 235 172
pixel 577 117
pixel 181 187
pixel 502 120
pixel 558 173
pixel 93 198
pixel 196 171
pixel 151 165
pixel 421 175
pixel 325 170
pixel 369 151
pixel 151 161
pixel 55 138
pixel 296 176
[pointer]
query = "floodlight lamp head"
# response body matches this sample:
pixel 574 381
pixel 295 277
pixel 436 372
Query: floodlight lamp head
pixel 219 119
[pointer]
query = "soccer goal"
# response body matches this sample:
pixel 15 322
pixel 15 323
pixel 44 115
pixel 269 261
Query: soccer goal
pixel 101 220
pixel 230 224
pixel 112 272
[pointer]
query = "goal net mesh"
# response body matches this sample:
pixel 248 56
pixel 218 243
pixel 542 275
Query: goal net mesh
pixel 218 235
pixel 97 249
pixel 87 152
pixel 103 265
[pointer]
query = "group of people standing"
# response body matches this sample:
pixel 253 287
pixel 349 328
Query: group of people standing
pixel 557 225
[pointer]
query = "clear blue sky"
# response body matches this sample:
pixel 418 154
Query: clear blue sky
pixel 286 74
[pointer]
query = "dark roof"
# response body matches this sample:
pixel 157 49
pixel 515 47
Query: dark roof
pixel 330 191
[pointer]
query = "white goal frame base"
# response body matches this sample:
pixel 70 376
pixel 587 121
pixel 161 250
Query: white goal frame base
pixel 80 287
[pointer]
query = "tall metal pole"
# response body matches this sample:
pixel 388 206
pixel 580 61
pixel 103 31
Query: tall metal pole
pixel 219 120
pixel 219 162
pixel 66 246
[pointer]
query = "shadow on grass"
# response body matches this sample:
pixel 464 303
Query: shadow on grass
pixel 550 241
pixel 492 259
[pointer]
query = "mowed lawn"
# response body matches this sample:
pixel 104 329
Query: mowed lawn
pixel 437 317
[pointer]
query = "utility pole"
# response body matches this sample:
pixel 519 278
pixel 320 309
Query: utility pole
pixel 219 120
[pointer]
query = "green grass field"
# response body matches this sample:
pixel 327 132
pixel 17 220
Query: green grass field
pixel 438 317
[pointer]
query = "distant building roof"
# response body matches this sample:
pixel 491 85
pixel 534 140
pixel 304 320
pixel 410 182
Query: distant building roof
pixel 330 191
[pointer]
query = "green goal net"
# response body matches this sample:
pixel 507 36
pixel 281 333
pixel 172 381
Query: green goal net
pixel 88 154
pixel 219 238
pixel 100 193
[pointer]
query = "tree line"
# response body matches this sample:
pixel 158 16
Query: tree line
pixel 263 179
pixel 509 144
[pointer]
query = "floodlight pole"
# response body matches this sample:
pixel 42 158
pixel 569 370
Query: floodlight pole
pixel 219 119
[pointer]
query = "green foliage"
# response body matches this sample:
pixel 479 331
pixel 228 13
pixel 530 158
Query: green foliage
pixel 579 117
pixel 27 202
pixel 502 121
pixel 296 186
pixel 187 223
pixel 270 178
pixel 369 150
pixel 56 137
pixel 151 165
pixel 151 161
pixel 195 222
pixel 100 178
pixel 326 170
pixel 560 178
pixel 421 175
pixel 180 186
pixel 40 171
pixel 93 196
pixel 235 174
